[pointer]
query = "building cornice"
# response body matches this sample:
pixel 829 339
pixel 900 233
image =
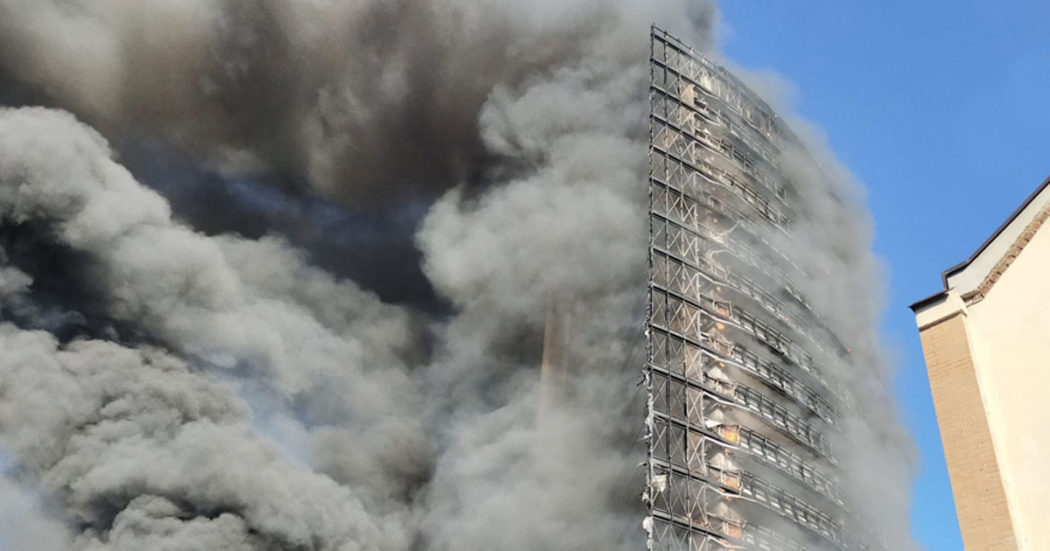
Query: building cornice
pixel 974 286
pixel 1011 254
pixel 995 235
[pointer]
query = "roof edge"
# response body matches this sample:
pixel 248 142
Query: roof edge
pixel 987 242
pixel 920 304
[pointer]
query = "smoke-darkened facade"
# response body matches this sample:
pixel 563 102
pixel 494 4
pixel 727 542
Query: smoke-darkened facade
pixel 739 412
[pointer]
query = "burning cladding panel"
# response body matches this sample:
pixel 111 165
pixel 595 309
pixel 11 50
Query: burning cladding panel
pixel 738 409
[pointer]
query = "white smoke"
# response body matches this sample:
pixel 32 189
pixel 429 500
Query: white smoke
pixel 213 391
pixel 24 524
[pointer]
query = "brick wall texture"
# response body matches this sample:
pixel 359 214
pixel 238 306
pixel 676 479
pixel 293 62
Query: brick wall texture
pixel 980 500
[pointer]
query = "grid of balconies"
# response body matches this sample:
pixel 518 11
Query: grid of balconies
pixel 698 285
pixel 739 405
pixel 685 316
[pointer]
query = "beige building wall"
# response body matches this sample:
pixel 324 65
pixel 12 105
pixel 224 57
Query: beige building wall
pixel 980 500
pixel 986 339
pixel 1011 344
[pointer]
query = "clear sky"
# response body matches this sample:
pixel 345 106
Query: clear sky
pixel 939 108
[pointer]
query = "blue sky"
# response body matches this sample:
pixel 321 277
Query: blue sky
pixel 939 108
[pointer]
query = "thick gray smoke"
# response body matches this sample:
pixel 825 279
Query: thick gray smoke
pixel 143 432
pixel 181 372
pixel 363 100
pixel 832 238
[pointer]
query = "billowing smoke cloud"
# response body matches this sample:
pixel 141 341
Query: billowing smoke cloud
pixel 832 238
pixel 375 103
pixel 25 525
pixel 129 437
pixel 364 100
pixel 200 321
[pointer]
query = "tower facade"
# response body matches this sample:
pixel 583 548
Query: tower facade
pixel 739 412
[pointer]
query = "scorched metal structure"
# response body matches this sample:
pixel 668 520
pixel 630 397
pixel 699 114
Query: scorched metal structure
pixel 739 412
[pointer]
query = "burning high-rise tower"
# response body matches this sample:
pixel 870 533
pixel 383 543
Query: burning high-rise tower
pixel 740 406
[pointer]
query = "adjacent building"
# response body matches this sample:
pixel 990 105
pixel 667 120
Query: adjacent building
pixel 739 412
pixel 986 338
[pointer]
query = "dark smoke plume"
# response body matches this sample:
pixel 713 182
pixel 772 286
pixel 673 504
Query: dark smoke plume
pixel 274 275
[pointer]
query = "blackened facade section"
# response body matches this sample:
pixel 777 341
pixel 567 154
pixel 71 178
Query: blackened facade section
pixel 739 412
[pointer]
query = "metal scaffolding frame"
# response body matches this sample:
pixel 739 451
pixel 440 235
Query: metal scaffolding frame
pixel 738 408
